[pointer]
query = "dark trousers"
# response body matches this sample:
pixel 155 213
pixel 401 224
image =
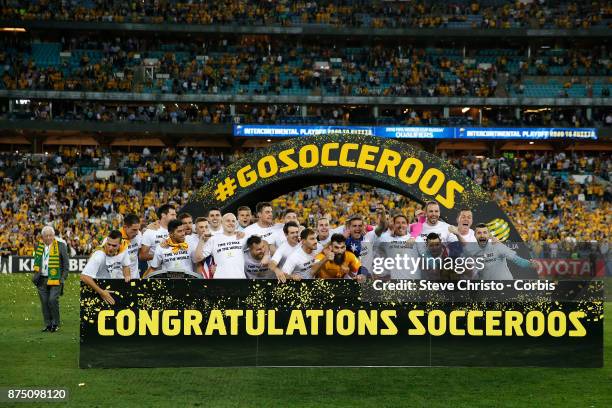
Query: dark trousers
pixel 49 301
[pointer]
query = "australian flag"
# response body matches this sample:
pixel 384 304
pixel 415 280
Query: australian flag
pixel 354 245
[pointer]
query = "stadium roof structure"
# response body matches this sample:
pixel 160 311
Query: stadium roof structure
pixel 71 140
pixel 304 99
pixel 539 146
pixel 474 146
pixel 139 142
pixel 593 147
pixel 311 30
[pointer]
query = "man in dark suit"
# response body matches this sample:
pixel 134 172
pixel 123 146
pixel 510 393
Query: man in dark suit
pixel 51 265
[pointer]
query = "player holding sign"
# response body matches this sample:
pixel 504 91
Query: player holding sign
pixel 495 256
pixel 298 265
pixel 152 237
pixel 323 235
pixel 292 242
pixel 227 250
pixel 257 259
pixel 360 242
pixel 131 241
pixel 335 262
pixel 176 255
pixel 434 224
pixel 264 228
pixel 398 246
pixel 107 263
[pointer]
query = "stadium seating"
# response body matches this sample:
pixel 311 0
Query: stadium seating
pixel 461 14
pixel 353 71
pixel 191 63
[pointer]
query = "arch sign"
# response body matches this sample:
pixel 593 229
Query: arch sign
pixel 385 163
pixel 343 322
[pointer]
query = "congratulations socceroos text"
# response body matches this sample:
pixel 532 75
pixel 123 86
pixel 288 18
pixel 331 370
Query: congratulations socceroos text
pixel 341 322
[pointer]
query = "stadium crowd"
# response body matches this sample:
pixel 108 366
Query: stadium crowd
pixel 260 65
pixel 205 114
pixel 60 189
pixel 339 13
pixel 132 113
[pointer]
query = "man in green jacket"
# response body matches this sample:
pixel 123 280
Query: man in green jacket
pixel 51 264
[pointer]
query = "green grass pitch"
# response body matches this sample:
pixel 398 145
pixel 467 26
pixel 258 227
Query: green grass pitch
pixel 29 358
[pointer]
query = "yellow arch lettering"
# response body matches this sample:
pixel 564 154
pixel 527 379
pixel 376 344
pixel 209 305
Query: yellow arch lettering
pixel 344 161
pixel 325 160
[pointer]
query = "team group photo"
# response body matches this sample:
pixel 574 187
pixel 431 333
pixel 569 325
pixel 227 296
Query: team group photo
pixel 222 203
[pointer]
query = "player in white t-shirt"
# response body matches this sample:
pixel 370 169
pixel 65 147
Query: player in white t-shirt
pixel 359 240
pixel 434 224
pixel 214 221
pixel 465 236
pixel 397 245
pixel 257 259
pixel 107 263
pixel 340 229
pixel 131 241
pixel 244 217
pixel 175 254
pixel 464 224
pixel 299 264
pixel 291 232
pixel 279 237
pixel 227 250
pixel 207 267
pixel 367 253
pixel 190 236
pixel 323 234
pixel 151 238
pixel 264 228
pixel 202 227
pixel 494 256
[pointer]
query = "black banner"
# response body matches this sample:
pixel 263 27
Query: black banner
pixel 179 322
pixel 25 264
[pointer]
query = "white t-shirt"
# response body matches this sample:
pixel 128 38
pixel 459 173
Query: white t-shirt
pixel 389 246
pixel 494 258
pixel 265 233
pixel 469 237
pixel 300 263
pixel 193 240
pixel 132 251
pixel 376 248
pixel 337 230
pixel 152 238
pixel 325 241
pixel 215 232
pixel 228 252
pixel 320 248
pixel 168 260
pixel 253 269
pixel 441 228
pixel 366 257
pixel 101 266
pixel 278 238
pixel 283 252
